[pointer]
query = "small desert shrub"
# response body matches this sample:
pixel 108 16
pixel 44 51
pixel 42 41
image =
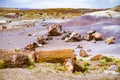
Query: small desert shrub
pixel 1 64
pixel 31 67
pixel 77 73
pixel 39 71
pixel 86 63
pixel 107 59
pixel 59 67
pixel 49 71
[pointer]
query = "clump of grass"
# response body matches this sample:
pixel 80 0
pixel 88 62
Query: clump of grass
pixel 1 64
pixel 59 67
pixel 77 73
pixel 49 71
pixel 107 59
pixel 118 69
pixel 39 71
pixel 31 67
pixel 116 60
pixel 86 63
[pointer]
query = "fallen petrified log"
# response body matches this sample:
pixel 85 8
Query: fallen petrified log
pixel 13 58
pixel 54 56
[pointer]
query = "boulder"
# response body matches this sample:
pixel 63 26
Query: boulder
pixel 54 30
pixel 73 37
pixel 110 40
pixel 31 46
pixel 97 36
pixel 70 64
pixel 88 37
pixel 97 57
pixel 83 53
pixel 14 59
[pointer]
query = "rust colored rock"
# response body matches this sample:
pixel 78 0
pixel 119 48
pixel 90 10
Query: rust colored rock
pixel 97 36
pixel 110 40
pixel 54 56
pixel 41 40
pixel 4 27
pixel 14 59
pixel 54 30
pixel 88 37
pixel 83 53
pixel 73 37
pixel 31 46
pixel 79 46
pixel 71 65
pixel 97 57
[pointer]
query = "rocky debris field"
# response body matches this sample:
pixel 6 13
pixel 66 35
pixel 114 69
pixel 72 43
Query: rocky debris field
pixel 86 47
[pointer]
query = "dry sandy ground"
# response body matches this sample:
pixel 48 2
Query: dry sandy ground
pixel 46 71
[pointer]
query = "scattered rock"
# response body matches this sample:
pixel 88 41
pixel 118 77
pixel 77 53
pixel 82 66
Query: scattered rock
pixel 112 69
pixel 71 65
pixel 54 30
pixel 49 38
pixel 97 57
pixel 91 32
pixel 41 40
pixel 4 27
pixel 110 40
pixel 79 46
pixel 68 64
pixel 29 34
pixel 14 59
pixel 97 36
pixel 88 37
pixel 31 46
pixel 83 53
pixel 73 37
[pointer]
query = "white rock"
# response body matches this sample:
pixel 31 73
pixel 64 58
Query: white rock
pixel 106 13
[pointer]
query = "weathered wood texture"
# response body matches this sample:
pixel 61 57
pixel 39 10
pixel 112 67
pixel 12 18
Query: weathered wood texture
pixel 54 56
pixel 13 58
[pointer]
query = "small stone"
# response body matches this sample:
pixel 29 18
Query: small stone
pixel 83 53
pixel 97 57
pixel 79 46
pixel 110 40
pixel 4 27
pixel 113 68
pixel 29 34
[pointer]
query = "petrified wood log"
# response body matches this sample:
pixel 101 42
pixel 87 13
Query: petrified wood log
pixel 13 58
pixel 54 56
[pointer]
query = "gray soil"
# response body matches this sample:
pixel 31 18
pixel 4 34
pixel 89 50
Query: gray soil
pixel 18 38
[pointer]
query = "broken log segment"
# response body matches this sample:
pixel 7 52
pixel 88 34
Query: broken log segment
pixel 14 59
pixel 54 56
